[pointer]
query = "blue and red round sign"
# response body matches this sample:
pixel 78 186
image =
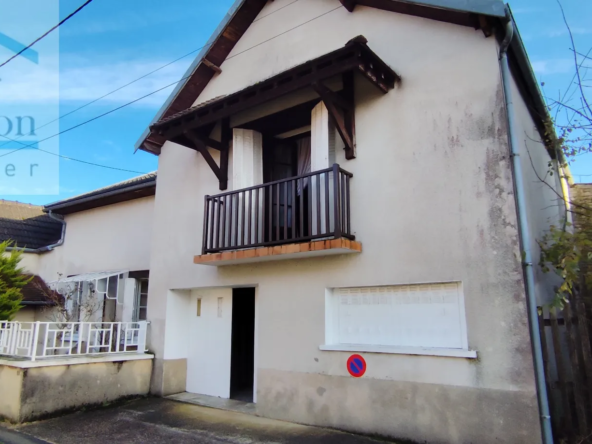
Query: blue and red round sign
pixel 356 366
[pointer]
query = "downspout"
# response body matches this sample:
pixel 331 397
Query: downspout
pixel 48 247
pixel 60 242
pixel 535 339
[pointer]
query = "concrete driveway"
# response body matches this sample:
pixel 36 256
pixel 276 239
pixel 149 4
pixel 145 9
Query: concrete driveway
pixel 157 420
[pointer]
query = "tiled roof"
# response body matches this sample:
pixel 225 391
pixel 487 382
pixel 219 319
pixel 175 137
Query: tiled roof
pixel 27 225
pixel 37 292
pixel 189 110
pixel 120 186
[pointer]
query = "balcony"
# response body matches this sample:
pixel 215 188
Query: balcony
pixel 302 216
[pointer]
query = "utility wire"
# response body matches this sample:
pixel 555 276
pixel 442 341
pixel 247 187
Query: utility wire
pixel 105 95
pixel 48 32
pixel 84 123
pixel 136 80
pixel 143 97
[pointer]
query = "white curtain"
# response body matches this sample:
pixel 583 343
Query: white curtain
pixel 303 161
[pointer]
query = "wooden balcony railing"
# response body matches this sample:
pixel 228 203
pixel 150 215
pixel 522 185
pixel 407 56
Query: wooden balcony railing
pixel 311 206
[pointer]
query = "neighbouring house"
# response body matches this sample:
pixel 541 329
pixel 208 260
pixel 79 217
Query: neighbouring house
pixel 34 231
pixel 344 230
pixel 94 251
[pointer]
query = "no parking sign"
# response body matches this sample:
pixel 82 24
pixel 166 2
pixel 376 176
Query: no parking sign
pixel 356 366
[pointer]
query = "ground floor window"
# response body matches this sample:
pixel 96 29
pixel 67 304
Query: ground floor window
pixel 141 300
pixel 416 316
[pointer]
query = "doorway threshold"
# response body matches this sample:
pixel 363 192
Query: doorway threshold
pixel 216 403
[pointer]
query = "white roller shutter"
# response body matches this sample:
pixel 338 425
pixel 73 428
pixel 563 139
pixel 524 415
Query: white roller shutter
pixel 430 315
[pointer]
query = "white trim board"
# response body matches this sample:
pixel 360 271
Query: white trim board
pixel 444 352
pixel 75 360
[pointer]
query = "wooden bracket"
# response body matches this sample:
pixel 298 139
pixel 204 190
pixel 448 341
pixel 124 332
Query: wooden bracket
pixel 485 26
pixel 199 145
pixel 210 65
pixel 349 4
pixel 211 143
pixel 341 113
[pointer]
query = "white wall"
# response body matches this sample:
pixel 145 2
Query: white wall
pixel 110 238
pixel 30 262
pixel 432 201
pixel 543 200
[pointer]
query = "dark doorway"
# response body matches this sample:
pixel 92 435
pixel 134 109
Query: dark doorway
pixel 242 357
pixel 285 159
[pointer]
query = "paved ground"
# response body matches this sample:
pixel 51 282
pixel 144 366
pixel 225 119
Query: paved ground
pixel 157 420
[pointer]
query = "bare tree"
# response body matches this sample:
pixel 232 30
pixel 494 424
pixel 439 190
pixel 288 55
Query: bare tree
pixel 70 301
pixel 570 110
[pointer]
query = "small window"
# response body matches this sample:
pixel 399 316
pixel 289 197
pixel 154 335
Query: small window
pixel 141 302
pixel 413 316
pixel 199 307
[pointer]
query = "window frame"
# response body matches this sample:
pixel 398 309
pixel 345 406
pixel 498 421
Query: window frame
pixel 332 341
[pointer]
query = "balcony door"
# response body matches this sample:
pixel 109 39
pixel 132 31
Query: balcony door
pixel 284 159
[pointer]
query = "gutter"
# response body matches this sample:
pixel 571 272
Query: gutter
pixel 60 206
pixel 59 243
pixel 36 304
pixel 524 235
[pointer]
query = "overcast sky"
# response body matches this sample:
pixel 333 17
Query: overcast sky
pixel 112 42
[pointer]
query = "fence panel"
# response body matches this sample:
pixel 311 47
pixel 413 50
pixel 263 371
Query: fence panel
pixel 38 340
pixel 566 341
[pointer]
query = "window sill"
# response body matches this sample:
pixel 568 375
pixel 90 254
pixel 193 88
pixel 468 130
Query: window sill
pixel 446 352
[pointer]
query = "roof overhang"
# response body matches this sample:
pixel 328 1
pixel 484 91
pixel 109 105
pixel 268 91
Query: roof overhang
pixel 356 56
pixel 235 23
pixel 193 126
pixel 108 196
pixel 243 12
pixel 90 277
pixel 487 15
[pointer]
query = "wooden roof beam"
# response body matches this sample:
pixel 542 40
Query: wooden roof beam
pixel 213 67
pixel 221 171
pixel 342 119
pixel 349 4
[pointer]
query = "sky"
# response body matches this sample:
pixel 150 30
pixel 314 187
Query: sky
pixel 112 42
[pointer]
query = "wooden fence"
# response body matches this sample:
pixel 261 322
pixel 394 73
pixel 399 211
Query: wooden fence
pixel 567 355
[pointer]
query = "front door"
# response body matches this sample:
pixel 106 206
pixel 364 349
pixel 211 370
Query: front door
pixel 209 342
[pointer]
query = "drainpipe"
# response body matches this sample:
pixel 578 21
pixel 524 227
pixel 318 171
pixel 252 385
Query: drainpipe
pixel 48 247
pixel 60 242
pixel 537 352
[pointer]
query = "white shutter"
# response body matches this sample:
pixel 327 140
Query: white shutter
pixel 430 315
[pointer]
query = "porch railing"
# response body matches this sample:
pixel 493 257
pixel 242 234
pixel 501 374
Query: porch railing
pixel 311 206
pixel 35 340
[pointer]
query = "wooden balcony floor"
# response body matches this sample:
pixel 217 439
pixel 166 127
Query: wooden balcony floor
pixel 281 252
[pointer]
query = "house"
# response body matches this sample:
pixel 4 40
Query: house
pixel 345 224
pixel 29 228
pixel 94 238
pixel 94 250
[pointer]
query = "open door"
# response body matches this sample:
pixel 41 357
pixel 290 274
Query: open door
pixel 242 361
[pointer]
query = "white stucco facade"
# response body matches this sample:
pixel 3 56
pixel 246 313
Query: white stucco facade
pixel 108 238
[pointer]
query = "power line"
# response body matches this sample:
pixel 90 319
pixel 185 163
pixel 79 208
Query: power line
pixel 134 81
pixel 105 95
pixel 285 32
pixel 84 123
pixel 140 98
pixel 277 10
pixel 48 32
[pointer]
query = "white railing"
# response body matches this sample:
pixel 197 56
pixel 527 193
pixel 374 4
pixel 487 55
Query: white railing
pixel 37 340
